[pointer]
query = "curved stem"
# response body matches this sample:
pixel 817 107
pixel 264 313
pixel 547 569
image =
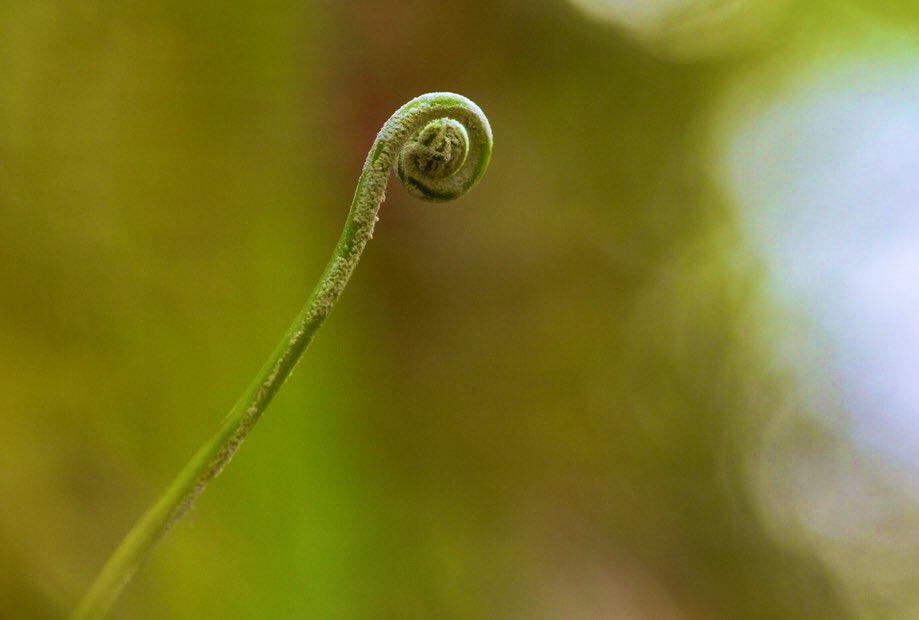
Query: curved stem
pixel 437 161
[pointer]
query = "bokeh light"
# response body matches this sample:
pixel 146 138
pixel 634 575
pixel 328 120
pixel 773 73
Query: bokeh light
pixel 691 29
pixel 823 165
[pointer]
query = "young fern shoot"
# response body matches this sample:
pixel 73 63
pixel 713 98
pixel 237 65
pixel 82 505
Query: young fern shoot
pixel 440 145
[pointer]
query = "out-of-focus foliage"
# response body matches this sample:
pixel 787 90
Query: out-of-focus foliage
pixel 658 365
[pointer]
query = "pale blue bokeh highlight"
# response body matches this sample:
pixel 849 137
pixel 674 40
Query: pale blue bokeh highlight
pixel 828 183
pixel 822 168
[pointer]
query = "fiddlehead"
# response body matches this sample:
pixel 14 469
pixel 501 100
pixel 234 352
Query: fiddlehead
pixel 440 145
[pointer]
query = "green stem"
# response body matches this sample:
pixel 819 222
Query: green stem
pixel 440 144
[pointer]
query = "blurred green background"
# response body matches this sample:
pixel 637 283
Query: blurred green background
pixel 581 391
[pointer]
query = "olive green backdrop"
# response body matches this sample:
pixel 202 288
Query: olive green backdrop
pixel 532 403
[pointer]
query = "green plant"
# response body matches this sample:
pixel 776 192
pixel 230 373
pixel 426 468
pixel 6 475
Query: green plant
pixel 440 145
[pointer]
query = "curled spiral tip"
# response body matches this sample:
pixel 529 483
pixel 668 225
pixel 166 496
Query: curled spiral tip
pixel 443 143
pixel 436 152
